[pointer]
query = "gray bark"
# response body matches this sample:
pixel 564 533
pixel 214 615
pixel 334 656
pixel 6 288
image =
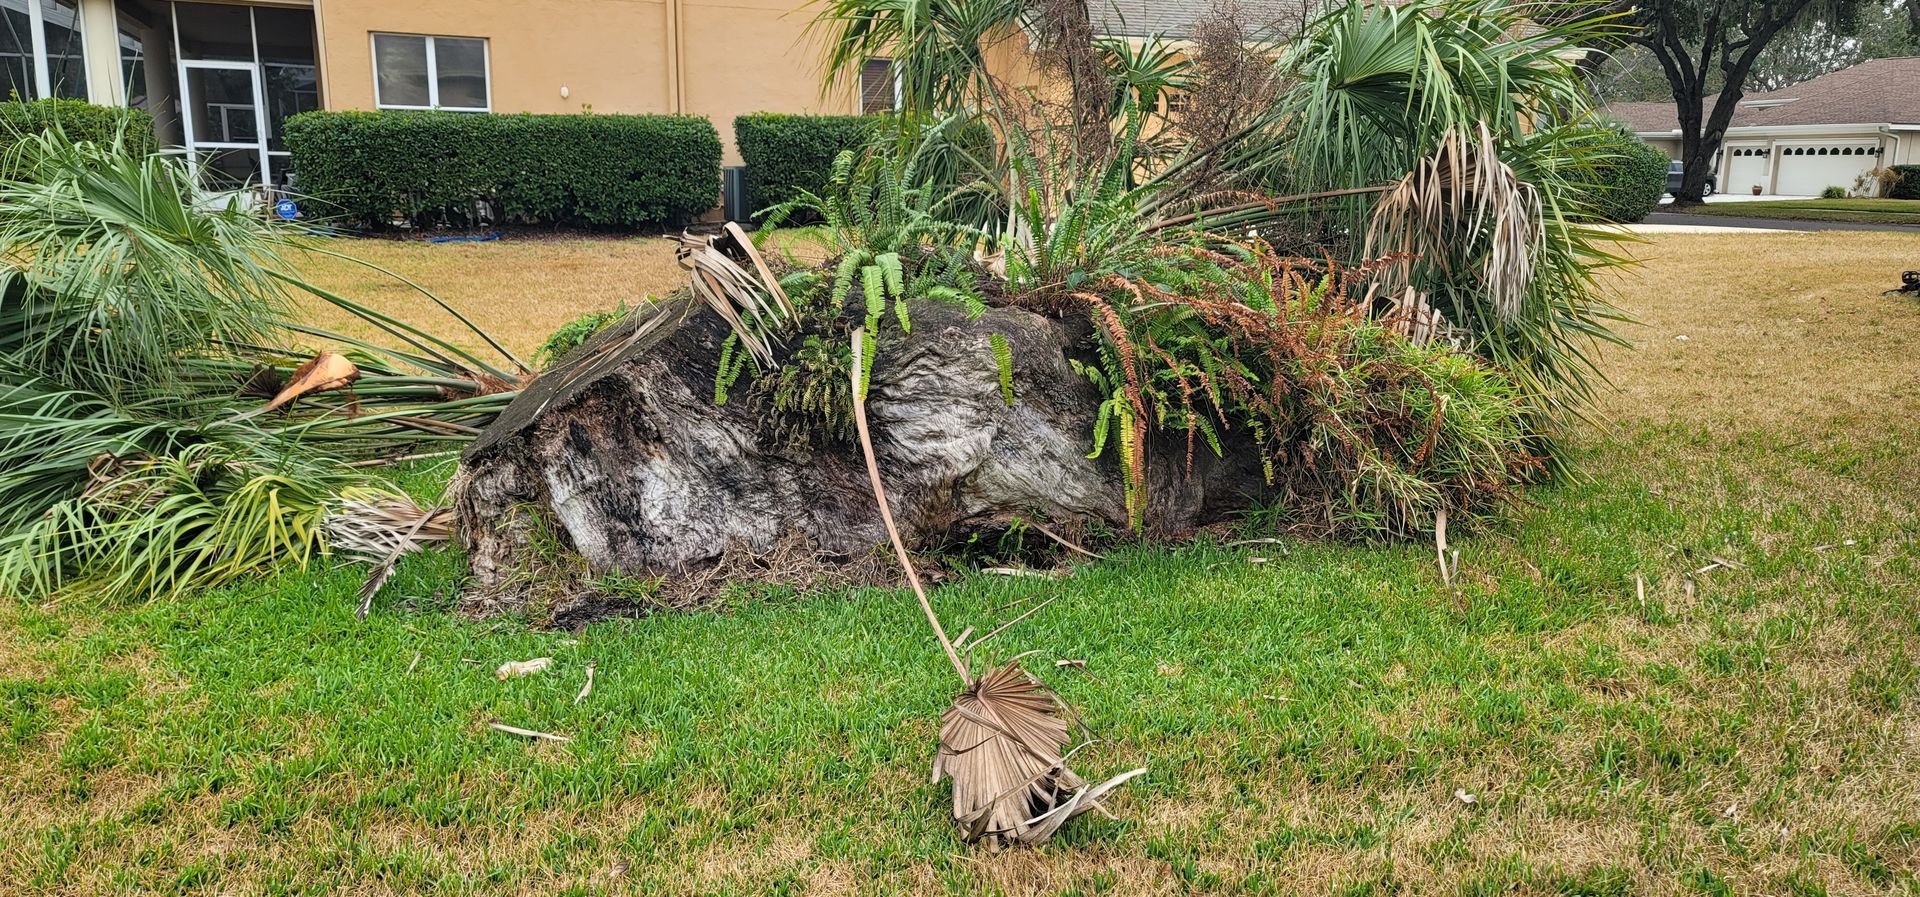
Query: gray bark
pixel 624 453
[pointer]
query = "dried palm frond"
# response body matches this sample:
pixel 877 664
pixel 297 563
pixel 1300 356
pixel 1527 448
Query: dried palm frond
pixel 750 301
pixel 1002 743
pixel 325 371
pixel 372 525
pixel 1463 195
pixel 1412 315
pixel 1002 739
pixel 379 528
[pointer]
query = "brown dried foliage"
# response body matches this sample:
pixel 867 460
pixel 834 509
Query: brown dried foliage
pixel 1231 82
pixel 1065 45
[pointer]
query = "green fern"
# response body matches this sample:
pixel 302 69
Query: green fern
pixel 732 362
pixel 875 286
pixel 1003 363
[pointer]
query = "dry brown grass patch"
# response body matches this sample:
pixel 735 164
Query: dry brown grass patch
pixel 519 290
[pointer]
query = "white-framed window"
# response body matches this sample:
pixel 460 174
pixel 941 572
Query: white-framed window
pixel 42 53
pixel 425 71
pixel 879 87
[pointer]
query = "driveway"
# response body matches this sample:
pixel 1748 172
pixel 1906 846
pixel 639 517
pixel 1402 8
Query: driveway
pixel 1680 218
pixel 1748 197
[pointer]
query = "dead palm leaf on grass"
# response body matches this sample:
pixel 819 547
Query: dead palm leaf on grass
pixel 1004 739
pixel 380 527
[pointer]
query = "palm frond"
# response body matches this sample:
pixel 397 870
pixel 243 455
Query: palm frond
pixel 1462 204
pixel 1003 742
pixel 742 291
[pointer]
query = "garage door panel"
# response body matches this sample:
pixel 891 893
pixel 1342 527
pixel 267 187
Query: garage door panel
pixel 1807 169
pixel 1747 170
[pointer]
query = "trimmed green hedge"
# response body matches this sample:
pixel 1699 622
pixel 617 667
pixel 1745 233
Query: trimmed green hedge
pixel 786 154
pixel 1628 180
pixel 434 168
pixel 1908 185
pixel 82 122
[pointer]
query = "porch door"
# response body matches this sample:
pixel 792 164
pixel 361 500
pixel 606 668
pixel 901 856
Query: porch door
pixel 225 123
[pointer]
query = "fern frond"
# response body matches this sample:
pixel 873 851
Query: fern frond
pixel 874 283
pixel 1101 422
pixel 1003 363
pixel 732 362
pixel 843 275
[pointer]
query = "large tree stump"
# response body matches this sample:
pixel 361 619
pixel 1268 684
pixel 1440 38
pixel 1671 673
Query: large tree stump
pixel 622 454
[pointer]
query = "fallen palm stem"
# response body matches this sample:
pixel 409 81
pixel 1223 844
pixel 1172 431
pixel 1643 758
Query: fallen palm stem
pixel 1001 740
pixel 886 513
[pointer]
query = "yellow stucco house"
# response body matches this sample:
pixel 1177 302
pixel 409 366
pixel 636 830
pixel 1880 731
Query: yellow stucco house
pixel 220 77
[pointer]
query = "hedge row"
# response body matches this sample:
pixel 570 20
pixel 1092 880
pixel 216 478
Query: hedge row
pixel 1629 179
pixel 1907 186
pixel 82 122
pixel 786 154
pixel 436 168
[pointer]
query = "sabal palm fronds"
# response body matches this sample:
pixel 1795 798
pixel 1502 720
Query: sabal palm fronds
pixel 1373 88
pixel 938 48
pixel 1378 91
pixel 154 432
pixel 115 267
pixel 164 524
pixel 743 292
pixel 1462 205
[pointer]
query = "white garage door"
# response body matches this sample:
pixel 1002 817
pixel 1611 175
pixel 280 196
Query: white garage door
pixel 1747 168
pixel 1807 169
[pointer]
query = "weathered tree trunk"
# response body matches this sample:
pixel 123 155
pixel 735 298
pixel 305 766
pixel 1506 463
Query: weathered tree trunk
pixel 622 454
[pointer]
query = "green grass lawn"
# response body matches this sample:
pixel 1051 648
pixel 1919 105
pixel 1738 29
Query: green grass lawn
pixel 1582 713
pixel 1870 211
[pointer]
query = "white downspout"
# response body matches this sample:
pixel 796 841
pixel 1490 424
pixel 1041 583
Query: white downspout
pixel 1892 156
pixel 100 46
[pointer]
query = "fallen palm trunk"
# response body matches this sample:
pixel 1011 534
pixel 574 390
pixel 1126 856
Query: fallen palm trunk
pixel 622 456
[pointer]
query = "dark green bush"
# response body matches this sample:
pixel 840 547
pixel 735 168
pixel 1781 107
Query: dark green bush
pixel 786 154
pixel 436 168
pixel 1628 176
pixel 1834 191
pixel 1907 184
pixel 82 121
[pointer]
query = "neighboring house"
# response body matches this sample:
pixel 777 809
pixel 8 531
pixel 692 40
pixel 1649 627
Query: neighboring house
pixel 1799 140
pixel 221 77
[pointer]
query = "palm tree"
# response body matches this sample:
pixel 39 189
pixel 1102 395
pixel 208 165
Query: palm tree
pixel 1378 93
pixel 938 48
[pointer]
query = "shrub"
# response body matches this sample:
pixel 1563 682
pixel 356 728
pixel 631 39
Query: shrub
pixel 1906 183
pixel 457 169
pixel 787 154
pixel 82 122
pixel 1361 431
pixel 1629 177
pixel 575 333
pixel 1834 191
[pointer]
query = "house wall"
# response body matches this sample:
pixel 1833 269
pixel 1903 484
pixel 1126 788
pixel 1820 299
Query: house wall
pixel 612 56
pixel 1670 146
pixel 1908 150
